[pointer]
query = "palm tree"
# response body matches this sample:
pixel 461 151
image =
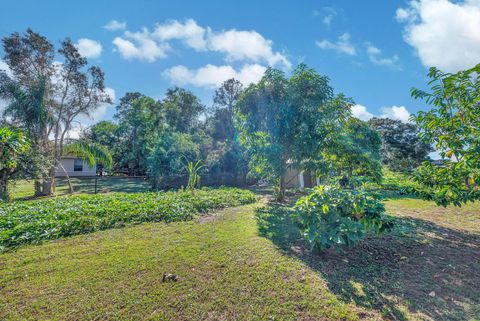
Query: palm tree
pixel 27 109
pixel 93 153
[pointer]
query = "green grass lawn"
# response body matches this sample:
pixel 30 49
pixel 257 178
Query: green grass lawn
pixel 248 264
pixel 24 189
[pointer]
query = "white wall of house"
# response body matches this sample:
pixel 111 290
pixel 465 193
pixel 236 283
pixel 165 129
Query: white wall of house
pixel 299 179
pixel 75 167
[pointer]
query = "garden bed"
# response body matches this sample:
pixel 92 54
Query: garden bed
pixel 34 221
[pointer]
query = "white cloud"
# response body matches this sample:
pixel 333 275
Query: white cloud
pixel 403 14
pixel 115 25
pixel 4 67
pixel 236 45
pixel 246 45
pixel 76 131
pixel 444 34
pixel 190 32
pixel 327 19
pixel 361 112
pixel 327 13
pixel 211 76
pixel 375 56
pixel 140 45
pixel 396 112
pixel 342 45
pixel 89 48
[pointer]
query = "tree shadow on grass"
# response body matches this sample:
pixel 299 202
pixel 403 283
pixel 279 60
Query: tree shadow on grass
pixel 417 268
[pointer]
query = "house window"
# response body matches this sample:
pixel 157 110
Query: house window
pixel 78 165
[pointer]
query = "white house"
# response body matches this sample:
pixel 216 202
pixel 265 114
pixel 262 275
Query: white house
pixel 75 167
pixel 300 179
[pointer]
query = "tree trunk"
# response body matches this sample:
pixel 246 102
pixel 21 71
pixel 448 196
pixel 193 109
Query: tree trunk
pixel 3 187
pixel 70 187
pixel 49 183
pixel 281 189
pixel 38 188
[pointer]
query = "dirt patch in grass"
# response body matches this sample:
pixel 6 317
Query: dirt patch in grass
pixel 421 270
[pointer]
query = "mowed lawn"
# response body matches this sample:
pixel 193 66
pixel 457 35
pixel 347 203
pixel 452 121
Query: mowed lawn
pixel 248 264
pixel 23 189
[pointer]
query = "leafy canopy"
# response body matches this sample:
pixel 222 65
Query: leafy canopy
pixel 354 156
pixel 452 127
pixel 287 122
pixel 13 144
pixel 402 150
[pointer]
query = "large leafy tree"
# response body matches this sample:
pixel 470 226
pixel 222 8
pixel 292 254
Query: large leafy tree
pixel 451 125
pixel 402 150
pixel 226 154
pixel 289 121
pixel 46 97
pixel 182 109
pixel 141 122
pixel 169 156
pixel 104 133
pixel 13 144
pixel 354 157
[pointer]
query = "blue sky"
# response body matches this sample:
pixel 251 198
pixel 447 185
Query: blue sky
pixel 373 51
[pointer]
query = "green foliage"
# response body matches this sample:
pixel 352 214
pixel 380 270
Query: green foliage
pixel 105 133
pixel 144 123
pixel 182 108
pixel 141 122
pixel 13 144
pixel 92 152
pixel 225 155
pixel 169 154
pixel 288 121
pixel 448 184
pixel 46 98
pixel 451 126
pixel 354 157
pixel 32 222
pixel 401 150
pixel 332 217
pixel 399 182
pixel 193 171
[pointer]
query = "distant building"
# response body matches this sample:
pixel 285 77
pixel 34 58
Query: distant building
pixel 300 179
pixel 75 167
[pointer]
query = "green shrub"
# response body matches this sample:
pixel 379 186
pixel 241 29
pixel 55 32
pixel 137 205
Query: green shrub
pixel 34 221
pixel 333 217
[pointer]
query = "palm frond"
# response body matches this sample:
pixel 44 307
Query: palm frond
pixel 91 152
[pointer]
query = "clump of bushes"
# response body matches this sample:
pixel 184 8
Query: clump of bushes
pixel 334 217
pixel 34 221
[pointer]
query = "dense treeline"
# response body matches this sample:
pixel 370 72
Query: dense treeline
pixel 261 131
pixel 157 138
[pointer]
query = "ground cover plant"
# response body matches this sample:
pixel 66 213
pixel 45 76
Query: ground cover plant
pixel 334 217
pixel 34 221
